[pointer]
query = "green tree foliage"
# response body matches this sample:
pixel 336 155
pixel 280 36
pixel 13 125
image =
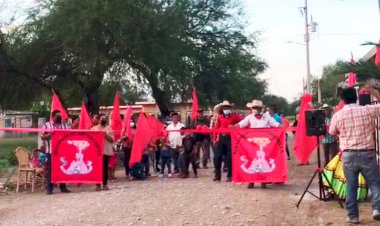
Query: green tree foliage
pixel 294 106
pixel 171 45
pixel 367 72
pixel 41 108
pixel 128 93
pixel 332 76
pixel 281 103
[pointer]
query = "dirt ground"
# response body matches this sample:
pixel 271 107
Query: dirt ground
pixel 174 201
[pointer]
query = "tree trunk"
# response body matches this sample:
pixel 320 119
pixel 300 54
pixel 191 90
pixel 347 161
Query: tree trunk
pixel 92 102
pixel 159 97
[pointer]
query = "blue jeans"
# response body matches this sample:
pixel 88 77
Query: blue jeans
pixel 175 157
pixel 364 163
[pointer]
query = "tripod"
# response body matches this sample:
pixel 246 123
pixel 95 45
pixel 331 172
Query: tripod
pixel 322 191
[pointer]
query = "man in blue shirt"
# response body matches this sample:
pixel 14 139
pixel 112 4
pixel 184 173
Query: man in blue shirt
pixel 329 142
pixel 272 111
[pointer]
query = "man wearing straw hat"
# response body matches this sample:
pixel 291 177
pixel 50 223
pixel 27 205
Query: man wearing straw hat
pixel 257 120
pixel 223 140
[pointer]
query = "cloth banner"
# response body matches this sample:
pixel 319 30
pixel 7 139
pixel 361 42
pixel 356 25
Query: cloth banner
pixel 85 121
pixel 148 130
pixel 258 155
pixel 77 157
pixel 304 145
pixel 194 112
pixel 116 122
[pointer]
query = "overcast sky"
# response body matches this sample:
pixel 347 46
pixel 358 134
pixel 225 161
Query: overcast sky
pixel 343 26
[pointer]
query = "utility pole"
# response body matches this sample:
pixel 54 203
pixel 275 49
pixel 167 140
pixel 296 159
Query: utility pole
pixel 307 40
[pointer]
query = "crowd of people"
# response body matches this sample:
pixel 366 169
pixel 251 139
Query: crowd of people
pixel 173 154
pixel 349 130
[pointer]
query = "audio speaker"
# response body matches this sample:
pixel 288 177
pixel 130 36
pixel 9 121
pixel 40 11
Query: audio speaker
pixel 364 99
pixel 315 122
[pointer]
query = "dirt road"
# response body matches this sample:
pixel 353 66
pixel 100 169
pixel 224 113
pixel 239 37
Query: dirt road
pixel 177 201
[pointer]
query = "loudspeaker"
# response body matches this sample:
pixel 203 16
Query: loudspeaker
pixel 315 122
pixel 364 99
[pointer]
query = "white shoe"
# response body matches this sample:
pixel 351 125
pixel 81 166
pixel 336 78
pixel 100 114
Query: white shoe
pixel 161 175
pixel 376 215
pixel 169 175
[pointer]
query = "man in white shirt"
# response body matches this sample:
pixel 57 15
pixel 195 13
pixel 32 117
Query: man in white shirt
pixel 257 120
pixel 175 139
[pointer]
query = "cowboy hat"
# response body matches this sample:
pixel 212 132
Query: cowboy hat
pixel 255 103
pixel 217 107
pixel 223 104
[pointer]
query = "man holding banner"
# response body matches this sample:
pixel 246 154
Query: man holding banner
pixel 257 120
pixel 56 123
pixel 223 142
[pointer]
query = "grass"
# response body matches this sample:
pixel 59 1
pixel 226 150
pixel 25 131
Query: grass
pixel 8 146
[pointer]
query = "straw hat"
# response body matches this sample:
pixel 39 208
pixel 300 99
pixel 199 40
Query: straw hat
pixel 255 103
pixel 217 107
pixel 223 104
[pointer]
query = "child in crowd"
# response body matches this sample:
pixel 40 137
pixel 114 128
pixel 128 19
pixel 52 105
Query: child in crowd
pixel 166 156
pixel 35 162
pixel 188 155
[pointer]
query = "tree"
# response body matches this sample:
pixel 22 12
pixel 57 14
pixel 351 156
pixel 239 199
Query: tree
pixel 281 103
pixel 171 45
pixel 128 93
pixel 294 106
pixel 332 75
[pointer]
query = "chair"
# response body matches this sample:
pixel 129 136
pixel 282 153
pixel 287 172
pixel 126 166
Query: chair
pixel 27 174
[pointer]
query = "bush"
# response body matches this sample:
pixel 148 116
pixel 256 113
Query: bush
pixel 8 146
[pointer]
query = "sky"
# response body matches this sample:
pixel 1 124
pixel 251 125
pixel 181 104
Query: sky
pixel 343 25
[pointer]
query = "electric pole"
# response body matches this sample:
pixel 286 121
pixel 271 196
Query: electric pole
pixel 307 40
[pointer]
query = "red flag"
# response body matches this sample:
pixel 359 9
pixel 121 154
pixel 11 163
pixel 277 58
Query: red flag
pixel 57 105
pixel 339 107
pixel 377 57
pixel 194 113
pixel 77 157
pixel 303 144
pixel 148 129
pixel 259 156
pixel 85 121
pixel 352 75
pixel 127 121
pixel 116 123
pixel 351 79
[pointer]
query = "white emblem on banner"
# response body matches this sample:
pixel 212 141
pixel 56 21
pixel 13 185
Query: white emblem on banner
pixel 259 163
pixel 77 166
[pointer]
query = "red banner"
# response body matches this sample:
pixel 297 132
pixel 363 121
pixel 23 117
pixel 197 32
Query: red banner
pixel 77 157
pixel 258 155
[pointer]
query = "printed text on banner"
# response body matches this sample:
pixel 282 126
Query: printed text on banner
pixel 77 157
pixel 258 156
